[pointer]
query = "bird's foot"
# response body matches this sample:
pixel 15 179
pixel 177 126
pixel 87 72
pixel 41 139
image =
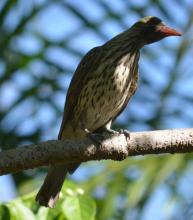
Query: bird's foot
pixel 99 136
pixel 109 131
pixel 96 138
pixel 126 133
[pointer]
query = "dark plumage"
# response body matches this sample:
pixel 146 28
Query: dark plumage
pixel 101 87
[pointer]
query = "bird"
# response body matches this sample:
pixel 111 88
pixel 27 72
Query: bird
pixel 101 87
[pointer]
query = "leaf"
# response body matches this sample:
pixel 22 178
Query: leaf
pixel 88 208
pixel 79 208
pixel 71 189
pixel 4 213
pixel 20 212
pixel 42 213
pixel 69 185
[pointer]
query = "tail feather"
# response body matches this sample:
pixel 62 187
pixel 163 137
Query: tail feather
pixel 49 192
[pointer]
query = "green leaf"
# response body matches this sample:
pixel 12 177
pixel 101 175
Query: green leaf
pixel 88 208
pixel 69 187
pixel 20 212
pixel 4 213
pixel 42 213
pixel 79 208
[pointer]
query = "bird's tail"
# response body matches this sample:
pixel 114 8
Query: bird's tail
pixel 49 192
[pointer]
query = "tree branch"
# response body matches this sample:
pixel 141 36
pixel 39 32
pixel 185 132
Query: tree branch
pixel 116 147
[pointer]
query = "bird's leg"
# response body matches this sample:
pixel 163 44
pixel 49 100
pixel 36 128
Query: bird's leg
pixel 94 137
pixel 106 129
pixel 99 135
pixel 125 132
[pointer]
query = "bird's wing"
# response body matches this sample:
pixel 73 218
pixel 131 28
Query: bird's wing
pixel 84 71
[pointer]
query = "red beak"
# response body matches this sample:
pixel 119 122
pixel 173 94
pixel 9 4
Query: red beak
pixel 167 31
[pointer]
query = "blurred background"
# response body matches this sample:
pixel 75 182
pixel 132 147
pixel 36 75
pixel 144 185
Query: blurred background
pixel 42 42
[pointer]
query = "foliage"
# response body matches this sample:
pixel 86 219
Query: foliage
pixel 73 205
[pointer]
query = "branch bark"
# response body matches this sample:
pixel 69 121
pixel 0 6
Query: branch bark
pixel 116 147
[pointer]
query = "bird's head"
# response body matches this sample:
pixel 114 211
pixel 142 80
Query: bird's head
pixel 152 29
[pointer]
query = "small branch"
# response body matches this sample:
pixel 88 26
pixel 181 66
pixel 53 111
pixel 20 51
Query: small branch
pixel 116 147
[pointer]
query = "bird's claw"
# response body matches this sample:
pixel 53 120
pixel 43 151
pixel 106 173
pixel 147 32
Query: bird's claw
pixel 96 138
pixel 126 133
pixel 110 132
